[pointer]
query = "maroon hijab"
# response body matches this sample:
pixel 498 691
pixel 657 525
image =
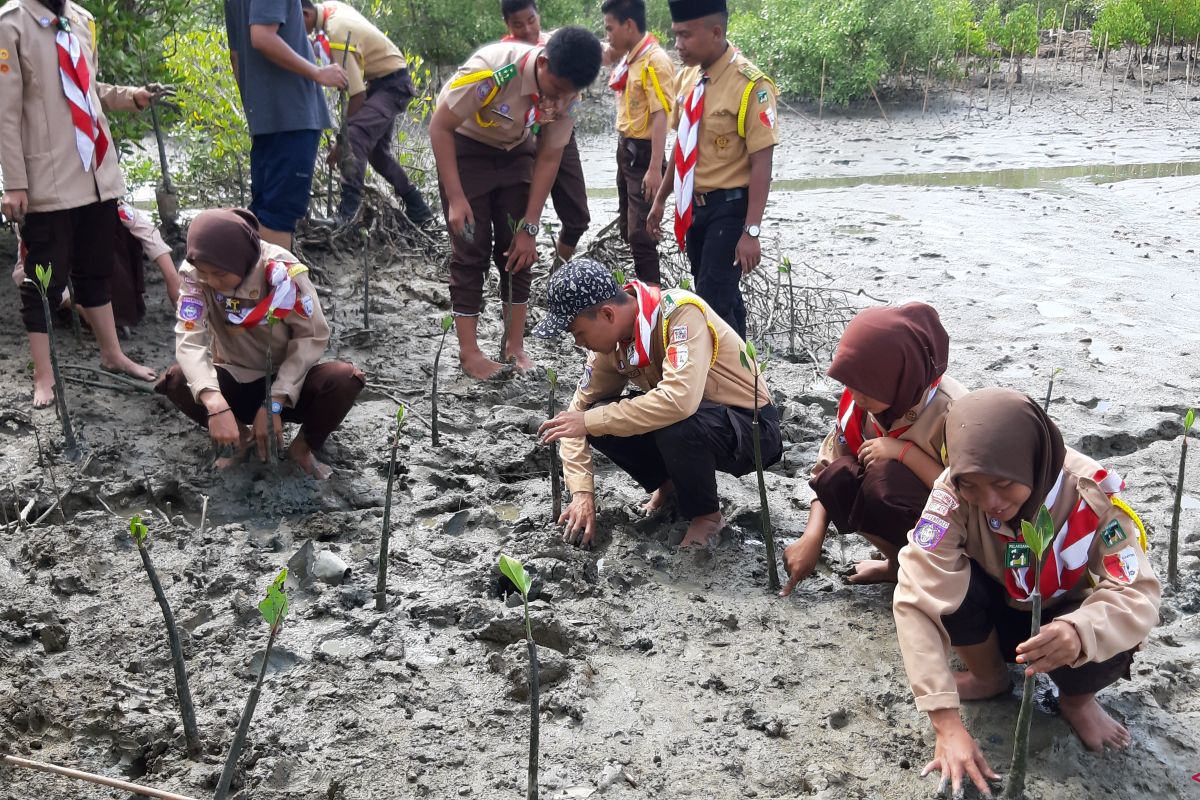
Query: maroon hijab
pixel 892 354
pixel 226 238
pixel 1004 433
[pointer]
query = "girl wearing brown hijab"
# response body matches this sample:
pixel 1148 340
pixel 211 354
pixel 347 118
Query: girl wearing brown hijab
pixel 240 296
pixel 883 454
pixel 965 578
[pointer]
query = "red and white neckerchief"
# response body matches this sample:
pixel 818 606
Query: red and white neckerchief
pixel 90 140
pixel 648 298
pixel 620 73
pixel 687 150
pixel 321 48
pixel 1067 558
pixel 850 424
pixel 283 299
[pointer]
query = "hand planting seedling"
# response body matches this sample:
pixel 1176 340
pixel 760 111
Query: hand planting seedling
pixel 555 471
pixel 1173 549
pixel 139 532
pixel 515 571
pixel 273 609
pixel 381 575
pixel 446 322
pixel 749 358
pixel 42 284
pixel 1037 536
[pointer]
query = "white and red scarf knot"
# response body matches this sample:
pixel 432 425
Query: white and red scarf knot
pixel 620 74
pixel 90 140
pixel 687 151
pixel 283 299
pixel 648 299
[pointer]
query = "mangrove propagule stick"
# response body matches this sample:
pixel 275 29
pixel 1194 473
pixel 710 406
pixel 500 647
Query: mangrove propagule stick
pixel 555 470
pixel 1014 788
pixel 433 393
pixel 765 509
pixel 60 387
pixel 1173 548
pixel 531 792
pixel 101 780
pixel 381 573
pixel 239 737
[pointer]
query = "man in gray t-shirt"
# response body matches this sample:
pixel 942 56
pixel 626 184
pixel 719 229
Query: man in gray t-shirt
pixel 285 107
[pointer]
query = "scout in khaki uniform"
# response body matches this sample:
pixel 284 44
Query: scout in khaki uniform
pixel 965 578
pixel 694 417
pixel 239 294
pixel 644 80
pixel 878 463
pixel 726 134
pixel 61 177
pixel 494 179
pixel 569 192
pixel 380 90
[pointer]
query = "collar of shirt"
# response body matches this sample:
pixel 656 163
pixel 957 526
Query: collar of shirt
pixel 319 26
pixel 721 65
pixel 40 12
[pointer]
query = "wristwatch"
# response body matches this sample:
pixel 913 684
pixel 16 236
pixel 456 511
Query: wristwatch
pixel 276 407
pixel 752 231
pixel 532 228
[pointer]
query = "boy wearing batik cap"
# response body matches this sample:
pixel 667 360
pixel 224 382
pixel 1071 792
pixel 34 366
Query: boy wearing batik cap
pixel 694 417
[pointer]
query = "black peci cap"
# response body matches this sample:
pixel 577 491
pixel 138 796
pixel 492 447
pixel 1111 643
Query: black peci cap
pixel 685 10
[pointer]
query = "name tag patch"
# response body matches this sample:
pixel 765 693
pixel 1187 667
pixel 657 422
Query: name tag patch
pixel 929 531
pixel 679 333
pixel 941 502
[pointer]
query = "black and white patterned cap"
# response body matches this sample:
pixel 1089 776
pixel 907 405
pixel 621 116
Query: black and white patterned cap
pixel 577 285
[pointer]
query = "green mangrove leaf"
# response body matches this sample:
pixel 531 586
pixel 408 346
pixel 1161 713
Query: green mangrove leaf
pixel 43 276
pixel 447 321
pixel 515 571
pixel 137 529
pixel 751 352
pixel 275 605
pixel 619 276
pixel 1040 533
pixel 745 363
pixel 552 376
pixel 1188 419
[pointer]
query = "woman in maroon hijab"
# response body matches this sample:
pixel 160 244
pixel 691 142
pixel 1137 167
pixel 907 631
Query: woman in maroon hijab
pixel 883 454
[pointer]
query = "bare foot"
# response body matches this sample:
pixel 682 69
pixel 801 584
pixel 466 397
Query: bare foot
pixel 123 363
pixel 703 530
pixel 972 687
pixel 524 362
pixel 661 496
pixel 300 453
pixel 479 366
pixel 1092 724
pixel 43 391
pixel 875 571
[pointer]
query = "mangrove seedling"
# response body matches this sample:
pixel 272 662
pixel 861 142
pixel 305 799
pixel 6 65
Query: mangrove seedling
pixel 191 735
pixel 619 276
pixel 1173 549
pixel 381 576
pixel 1036 538
pixel 555 476
pixel 446 322
pixel 515 571
pixel 42 284
pixel 1050 390
pixel 273 609
pixel 786 269
pixel 749 358
pixel 685 283
pixel 366 268
pixel 514 225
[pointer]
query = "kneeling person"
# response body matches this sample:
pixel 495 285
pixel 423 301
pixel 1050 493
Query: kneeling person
pixel 239 295
pixel 694 418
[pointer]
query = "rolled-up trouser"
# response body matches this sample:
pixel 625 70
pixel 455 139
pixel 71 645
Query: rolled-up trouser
pixel 569 195
pixel 983 610
pixel 711 248
pixel 370 130
pixel 884 499
pixel 496 183
pixel 633 159
pixel 75 241
pixel 690 452
pixel 327 396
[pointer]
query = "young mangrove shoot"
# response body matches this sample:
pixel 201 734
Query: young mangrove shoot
pixel 749 358
pixel 1036 538
pixel 1173 550
pixel 515 571
pixel 1050 390
pixel 273 609
pixel 786 269
pixel 42 284
pixel 446 322
pixel 381 575
pixel 191 735
pixel 366 268
pixel 555 471
pixel 506 306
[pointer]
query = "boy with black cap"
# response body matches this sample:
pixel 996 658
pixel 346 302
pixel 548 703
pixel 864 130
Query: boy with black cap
pixel 726 124
pixel 694 417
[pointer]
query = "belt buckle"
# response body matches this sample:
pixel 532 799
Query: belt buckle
pixel 698 200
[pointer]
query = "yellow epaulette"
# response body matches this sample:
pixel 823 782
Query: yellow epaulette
pixel 352 50
pixel 670 304
pixel 1143 540
pixel 296 269
pixel 498 77
pixel 752 74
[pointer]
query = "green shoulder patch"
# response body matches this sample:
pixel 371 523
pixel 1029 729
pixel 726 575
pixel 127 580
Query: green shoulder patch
pixel 505 74
pixel 1113 534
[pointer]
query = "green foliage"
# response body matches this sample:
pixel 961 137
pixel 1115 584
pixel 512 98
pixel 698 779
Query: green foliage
pixel 786 266
pixel 685 283
pixel 552 376
pixel 1122 22
pixel 1039 533
pixel 515 571
pixel 749 356
pixel 1050 20
pixel 43 277
pixel 1188 419
pixel 400 418
pixel 446 323
pixel 274 606
pixel 619 276
pixel 1019 34
pixel 137 529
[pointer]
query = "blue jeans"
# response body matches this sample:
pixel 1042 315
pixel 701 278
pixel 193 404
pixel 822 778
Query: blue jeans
pixel 281 173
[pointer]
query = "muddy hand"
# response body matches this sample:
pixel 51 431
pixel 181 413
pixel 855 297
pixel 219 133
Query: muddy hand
pixel 579 518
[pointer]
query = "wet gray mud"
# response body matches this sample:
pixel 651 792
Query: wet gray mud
pixel 665 673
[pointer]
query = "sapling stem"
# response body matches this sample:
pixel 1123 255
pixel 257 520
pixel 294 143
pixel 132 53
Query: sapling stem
pixel 506 304
pixel 1050 390
pixel 515 571
pixel 381 575
pixel 749 361
pixel 1173 548
pixel 555 472
pixel 60 392
pixel 273 610
pixel 191 735
pixel 366 268
pixel 446 323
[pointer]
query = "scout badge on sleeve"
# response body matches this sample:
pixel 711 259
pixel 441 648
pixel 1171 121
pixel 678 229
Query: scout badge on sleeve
pixel 1123 566
pixel 929 531
pixel 1113 534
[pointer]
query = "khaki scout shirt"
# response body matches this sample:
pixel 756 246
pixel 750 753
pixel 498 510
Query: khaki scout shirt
pixel 37 136
pixel 372 54
pixel 682 372
pixel 724 158
pixel 507 117
pixel 205 339
pixel 926 431
pixel 1114 616
pixel 648 90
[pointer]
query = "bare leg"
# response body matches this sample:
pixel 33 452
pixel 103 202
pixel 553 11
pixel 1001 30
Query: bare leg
pixel 878 571
pixel 515 348
pixel 703 530
pixel 306 460
pixel 986 674
pixel 472 359
pixel 43 371
pixel 112 357
pixel 662 495
pixel 1092 724
pixel 281 238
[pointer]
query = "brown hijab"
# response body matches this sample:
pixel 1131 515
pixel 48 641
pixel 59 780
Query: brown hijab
pixel 226 238
pixel 1003 433
pixel 892 354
